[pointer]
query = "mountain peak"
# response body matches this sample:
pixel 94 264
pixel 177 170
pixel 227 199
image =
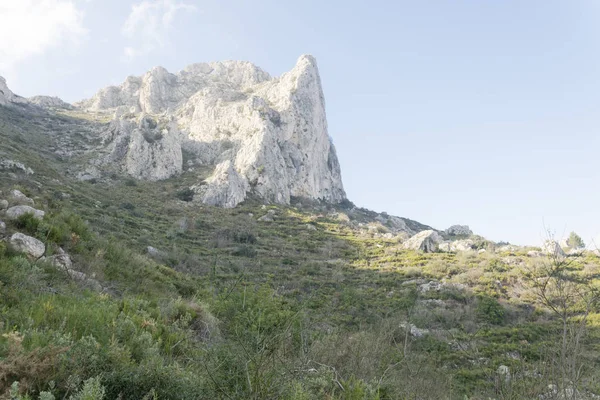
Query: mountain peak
pixel 263 136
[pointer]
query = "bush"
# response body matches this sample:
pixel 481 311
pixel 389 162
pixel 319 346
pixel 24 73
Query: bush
pixel 28 222
pixel 489 310
pixel 186 194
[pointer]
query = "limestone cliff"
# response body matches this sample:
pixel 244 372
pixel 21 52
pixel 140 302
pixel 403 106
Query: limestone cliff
pixel 263 135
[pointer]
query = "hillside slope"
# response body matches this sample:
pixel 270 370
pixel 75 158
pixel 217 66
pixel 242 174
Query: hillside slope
pixel 165 297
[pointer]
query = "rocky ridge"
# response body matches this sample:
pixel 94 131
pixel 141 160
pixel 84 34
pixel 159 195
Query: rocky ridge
pixel 264 136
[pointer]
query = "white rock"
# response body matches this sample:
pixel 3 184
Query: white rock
pixel 552 248
pixel 457 245
pixel 504 372
pixel 27 244
pixel 146 149
pixel 426 241
pixel 267 136
pixel 15 212
pixel 16 197
pixel 152 251
pixel 225 187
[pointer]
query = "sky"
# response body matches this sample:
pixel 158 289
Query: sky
pixel 477 112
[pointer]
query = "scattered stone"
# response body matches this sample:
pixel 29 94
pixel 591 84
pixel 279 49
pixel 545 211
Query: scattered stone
pixel 27 244
pixel 60 260
pixel 414 331
pixel 426 241
pixel 153 252
pixel 268 217
pixel 18 198
pixel 15 212
pixel 457 245
pixel 311 227
pixel 462 230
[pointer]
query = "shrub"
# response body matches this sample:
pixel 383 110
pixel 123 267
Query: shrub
pixel 490 310
pixel 28 222
pixel 186 194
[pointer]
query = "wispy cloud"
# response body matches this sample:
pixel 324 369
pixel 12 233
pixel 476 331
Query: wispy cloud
pixel 148 25
pixel 32 27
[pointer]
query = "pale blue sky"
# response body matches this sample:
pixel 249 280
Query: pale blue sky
pixel 480 112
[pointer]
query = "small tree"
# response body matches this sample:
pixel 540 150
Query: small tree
pixel 571 299
pixel 575 241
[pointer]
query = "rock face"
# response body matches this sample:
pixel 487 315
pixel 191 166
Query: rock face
pixel 27 244
pixel 265 136
pixel 7 97
pixel 462 230
pixel 426 241
pixel 143 148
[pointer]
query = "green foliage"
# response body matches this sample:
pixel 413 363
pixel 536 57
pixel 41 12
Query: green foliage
pixel 490 310
pixel 28 222
pixel 186 194
pixel 575 241
pixel 92 390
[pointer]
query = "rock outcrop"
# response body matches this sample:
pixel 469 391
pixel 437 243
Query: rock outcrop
pixel 265 136
pixel 426 241
pixel 459 230
pixel 143 148
pixel 50 102
pixel 7 97
pixel 553 249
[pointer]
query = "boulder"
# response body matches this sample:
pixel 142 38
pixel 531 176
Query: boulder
pixel 268 217
pixel 3 204
pixel 153 251
pixel 27 244
pixel 2 228
pixel 15 212
pixel 18 198
pixel 553 249
pixel 60 260
pixel 457 245
pixel 462 230
pixel 427 241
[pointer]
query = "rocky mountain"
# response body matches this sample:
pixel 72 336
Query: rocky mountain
pixel 263 136
pixel 7 97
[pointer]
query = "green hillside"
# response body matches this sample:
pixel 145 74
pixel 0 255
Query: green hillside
pixel 318 303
